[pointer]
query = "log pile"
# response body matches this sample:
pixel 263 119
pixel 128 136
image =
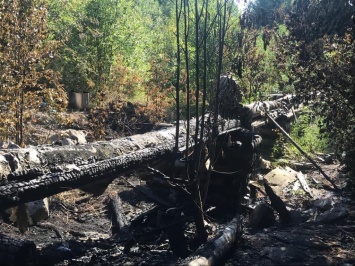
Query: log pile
pixel 37 172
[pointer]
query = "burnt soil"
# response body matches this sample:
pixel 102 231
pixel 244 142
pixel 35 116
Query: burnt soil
pixel 78 232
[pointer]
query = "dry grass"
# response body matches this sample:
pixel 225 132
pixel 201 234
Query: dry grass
pixel 70 197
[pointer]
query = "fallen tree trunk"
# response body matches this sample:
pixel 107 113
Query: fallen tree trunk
pixel 16 251
pixel 215 251
pixel 21 190
pixel 14 193
pixel 33 173
pixel 32 162
pixel 35 161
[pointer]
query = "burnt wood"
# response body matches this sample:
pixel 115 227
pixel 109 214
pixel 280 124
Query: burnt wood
pixel 34 173
pixel 15 193
pixel 214 252
pixel 119 221
pixel 16 251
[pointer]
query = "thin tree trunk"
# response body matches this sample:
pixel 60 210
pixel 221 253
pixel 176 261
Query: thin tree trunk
pixel 178 14
pixel 205 185
pixel 197 75
pixel 186 32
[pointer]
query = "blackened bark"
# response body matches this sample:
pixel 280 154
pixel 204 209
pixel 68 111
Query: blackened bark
pixel 215 251
pixel 119 221
pixel 16 251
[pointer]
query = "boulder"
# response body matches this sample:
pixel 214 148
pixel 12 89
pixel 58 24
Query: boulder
pixel 38 210
pixel 323 204
pixel 332 215
pixel 69 137
pixel 279 179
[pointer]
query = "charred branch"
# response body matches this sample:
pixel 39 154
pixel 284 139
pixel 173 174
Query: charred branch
pixel 119 221
pixel 215 250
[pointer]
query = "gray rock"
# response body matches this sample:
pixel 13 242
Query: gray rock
pixel 323 204
pixel 332 215
pixel 38 210
pixel 69 137
pixel 5 169
pixel 262 216
pixel 67 141
pixel 280 177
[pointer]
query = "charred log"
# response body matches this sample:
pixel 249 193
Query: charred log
pixel 28 163
pixel 35 173
pixel 216 250
pixel 119 221
pixel 16 251
pixel 15 193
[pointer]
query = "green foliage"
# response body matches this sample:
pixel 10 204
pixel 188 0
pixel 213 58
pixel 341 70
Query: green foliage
pixel 261 13
pixel 280 146
pixel 309 133
pixel 324 65
pixel 105 37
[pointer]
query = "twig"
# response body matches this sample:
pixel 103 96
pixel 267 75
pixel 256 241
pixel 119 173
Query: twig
pixel 51 227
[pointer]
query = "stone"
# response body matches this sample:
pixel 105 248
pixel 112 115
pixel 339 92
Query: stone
pixel 67 141
pixel 262 216
pixel 38 210
pixel 78 135
pixel 332 215
pixel 323 204
pixel 280 177
pixel 69 137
